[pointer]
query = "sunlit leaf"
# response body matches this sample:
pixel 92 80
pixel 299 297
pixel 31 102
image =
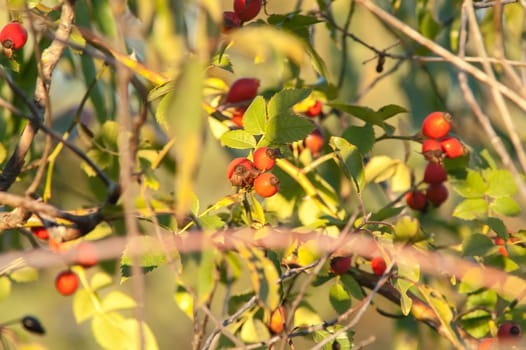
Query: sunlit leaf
pixel 254 331
pixel 470 209
pixel 285 128
pixel 283 100
pixel 116 300
pixel 184 301
pixel 339 298
pixel 239 139
pixel 351 159
pixel 506 206
pixel 83 306
pixel 255 116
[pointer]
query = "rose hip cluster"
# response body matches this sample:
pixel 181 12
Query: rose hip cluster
pixel 247 174
pixel 244 11
pixel 437 146
pixel 13 36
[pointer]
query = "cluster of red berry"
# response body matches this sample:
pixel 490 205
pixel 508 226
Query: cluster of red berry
pixel 13 36
pixel 435 148
pixel 247 174
pixel 340 264
pixel 244 11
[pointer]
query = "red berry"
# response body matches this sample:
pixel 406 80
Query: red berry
pixel 435 173
pixel 266 185
pixel 436 125
pixel 86 255
pixel 247 9
pixel 416 200
pixel 509 331
pixel 241 172
pixel 277 320
pixel 265 158
pixel 67 282
pixel 242 90
pixel 437 194
pixel 378 265
pixel 315 109
pixel 340 264
pixel 40 232
pixel 237 117
pixel 452 147
pixel 314 142
pixel 13 36
pixel 432 150
pixel 230 21
pixel 235 163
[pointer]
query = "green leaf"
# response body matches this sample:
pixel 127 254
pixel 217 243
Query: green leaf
pixel 263 275
pixel 476 323
pixel 477 245
pixel 406 228
pixel 109 135
pixel 352 286
pixel 471 209
pixel 472 187
pixel 380 168
pixel 255 117
pixel 360 136
pixel 389 111
pixel 206 275
pixel 83 305
pixel 339 298
pixel 25 274
pixel 184 301
pixel 210 222
pixel 500 183
pixel 497 225
pixel 350 159
pixel 237 301
pixel 113 331
pixel 285 128
pixel 116 300
pixel 368 115
pixel 283 100
pixel 343 339
pixel 305 315
pixel 5 287
pixel 505 206
pixel 254 331
pixel 3 153
pixel 185 124
pixel 401 180
pixel 406 303
pixel 148 261
pixel 100 280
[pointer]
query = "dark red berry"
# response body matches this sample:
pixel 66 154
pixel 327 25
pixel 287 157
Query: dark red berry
pixel 266 185
pixel 230 21
pixel 452 147
pixel 509 331
pixel 247 9
pixel 437 194
pixel 416 200
pixel 436 125
pixel 340 264
pixel 13 36
pixel 244 89
pixel 435 173
pixel 378 265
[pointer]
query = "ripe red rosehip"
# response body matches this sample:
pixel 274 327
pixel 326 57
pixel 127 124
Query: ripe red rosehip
pixel 247 9
pixel 315 109
pixel 432 150
pixel 416 200
pixel 40 232
pixel 378 265
pixel 67 282
pixel 86 255
pixel 243 89
pixel 266 185
pixel 437 194
pixel 277 320
pixel 265 158
pixel 314 142
pixel 436 125
pixel 13 36
pixel 340 264
pixel 452 147
pixel 235 163
pixel 435 173
pixel 509 331
pixel 230 21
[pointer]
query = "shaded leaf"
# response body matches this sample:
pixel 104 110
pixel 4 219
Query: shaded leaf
pixel 285 128
pixel 283 100
pixel 351 160
pixel 360 136
pixel 477 245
